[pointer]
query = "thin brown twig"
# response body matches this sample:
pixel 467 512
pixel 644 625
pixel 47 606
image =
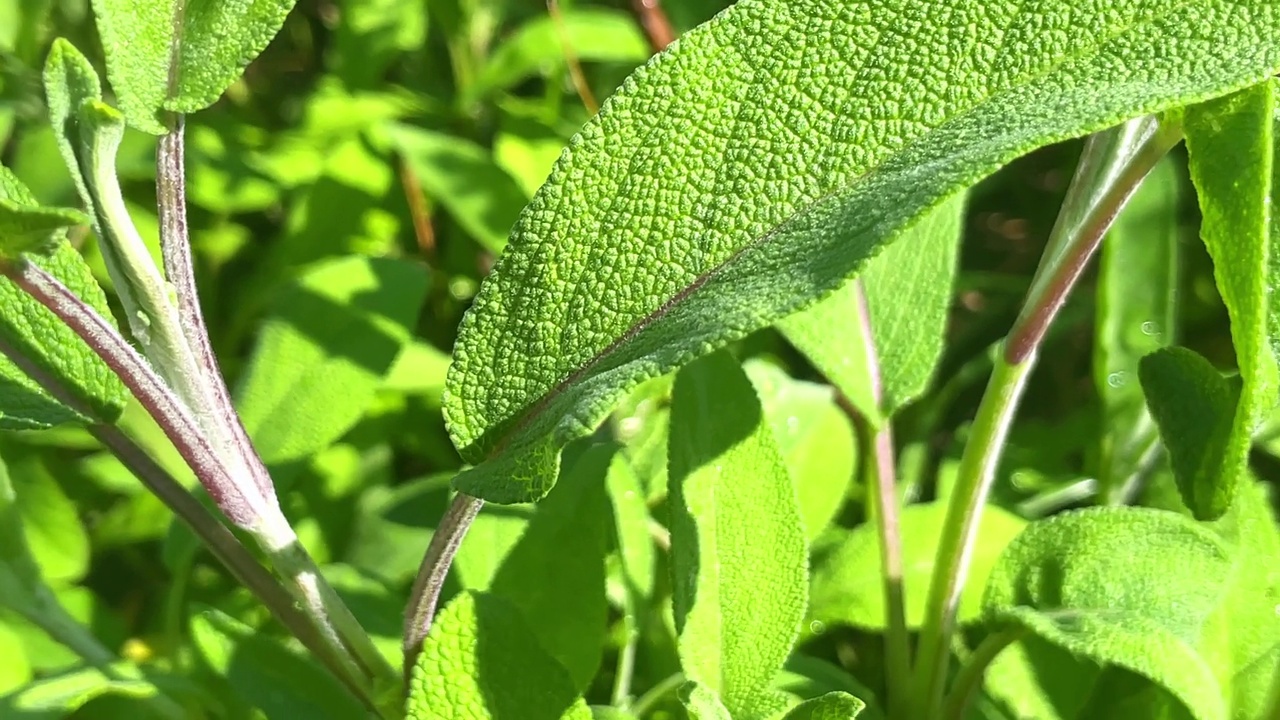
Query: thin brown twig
pixel 423 232
pixel 570 57
pixel 655 23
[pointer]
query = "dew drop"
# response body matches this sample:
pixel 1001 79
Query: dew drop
pixel 1150 329
pixel 1117 379
pixel 817 627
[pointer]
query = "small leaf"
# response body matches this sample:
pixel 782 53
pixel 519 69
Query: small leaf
pixel 181 56
pixel 1195 407
pixel 832 706
pixel 846 587
pixel 465 179
pixel 908 334
pixel 816 439
pixel 58 697
pixel 54 533
pixel 24 225
pixel 1231 145
pixel 324 351
pixel 1135 318
pixel 702 702
pixel 1129 587
pixel 738 553
pixel 482 660
pixel 279 681
pixel 631 530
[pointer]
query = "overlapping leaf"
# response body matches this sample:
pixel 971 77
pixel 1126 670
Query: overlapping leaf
pixel 760 162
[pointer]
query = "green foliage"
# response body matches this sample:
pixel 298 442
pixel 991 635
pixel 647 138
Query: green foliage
pixel 551 344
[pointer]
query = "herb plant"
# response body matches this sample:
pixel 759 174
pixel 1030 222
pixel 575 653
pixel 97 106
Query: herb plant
pixel 734 397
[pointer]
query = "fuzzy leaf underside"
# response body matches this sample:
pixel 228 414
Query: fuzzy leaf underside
pixel 758 164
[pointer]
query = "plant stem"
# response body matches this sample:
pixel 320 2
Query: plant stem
pixel 425 594
pixel 1114 162
pixel 655 694
pixel 969 679
pixel 571 59
pixel 884 501
pixel 655 23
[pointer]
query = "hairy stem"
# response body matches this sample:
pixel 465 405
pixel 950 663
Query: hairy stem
pixel 969 679
pixel 425 594
pixel 1114 162
pixel 655 23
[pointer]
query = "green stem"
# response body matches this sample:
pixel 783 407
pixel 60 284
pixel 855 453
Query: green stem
pixel 969 679
pixel 656 693
pixel 1113 164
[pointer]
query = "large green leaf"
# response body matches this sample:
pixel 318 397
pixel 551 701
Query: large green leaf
pixel 738 553
pixel 482 660
pixel 1196 409
pixel 1135 317
pixel 59 696
pixel 35 332
pixel 1231 145
pixel 1126 587
pixel 907 336
pixel 322 354
pixel 762 160
pixel 171 55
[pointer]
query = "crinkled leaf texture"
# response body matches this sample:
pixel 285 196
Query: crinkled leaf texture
pixel 832 706
pixel 481 661
pixel 763 159
pixel 739 560
pixel 179 55
pixel 33 331
pixel 1130 588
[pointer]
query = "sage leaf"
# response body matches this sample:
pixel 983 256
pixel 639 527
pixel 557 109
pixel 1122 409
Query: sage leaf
pixel 1132 588
pixel 1196 408
pixel 907 335
pixel 702 702
pixel 37 334
pixel 632 537
pixel 1231 145
pixel 832 706
pixel 738 553
pixel 657 239
pixel 845 589
pixel 1135 318
pixel 324 350
pixel 482 660
pixel 178 56
pixel 25 226
pixel 61 695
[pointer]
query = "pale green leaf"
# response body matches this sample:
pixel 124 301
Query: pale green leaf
pixel 1231 146
pixel 1196 408
pixel 59 696
pixel 702 702
pixel 1132 588
pixel 1135 318
pixel 816 439
pixel 164 55
pixel 633 538
pixel 323 352
pixel 756 165
pixel 846 587
pixel 482 660
pixel 25 226
pixel 907 291
pixel 832 706
pixel 738 553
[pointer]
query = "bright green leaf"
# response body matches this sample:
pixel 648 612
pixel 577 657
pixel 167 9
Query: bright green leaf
pixel 464 178
pixel 1135 318
pixel 632 530
pixel 846 585
pixel 372 33
pixel 24 225
pixel 1231 146
pixel 659 238
pixel 702 702
pixel 816 439
pixel 832 706
pixel 1128 587
pixel 58 697
pixel 268 675
pixel 482 660
pixel 1196 408
pixel 322 354
pixel 738 554
pixel 908 293
pixel 181 56
pixel 15 671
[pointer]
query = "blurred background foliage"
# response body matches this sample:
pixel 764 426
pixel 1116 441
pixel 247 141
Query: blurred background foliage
pixel 414 131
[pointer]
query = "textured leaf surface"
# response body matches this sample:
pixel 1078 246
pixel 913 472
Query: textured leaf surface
pixel 1196 408
pixel 702 703
pixel 738 553
pixel 846 585
pixel 762 160
pixel 179 55
pixel 1135 318
pixel 481 661
pixel 36 333
pixel 908 290
pixel 832 706
pixel 324 351
pixel 1133 588
pixel 25 226
pixel 1231 144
